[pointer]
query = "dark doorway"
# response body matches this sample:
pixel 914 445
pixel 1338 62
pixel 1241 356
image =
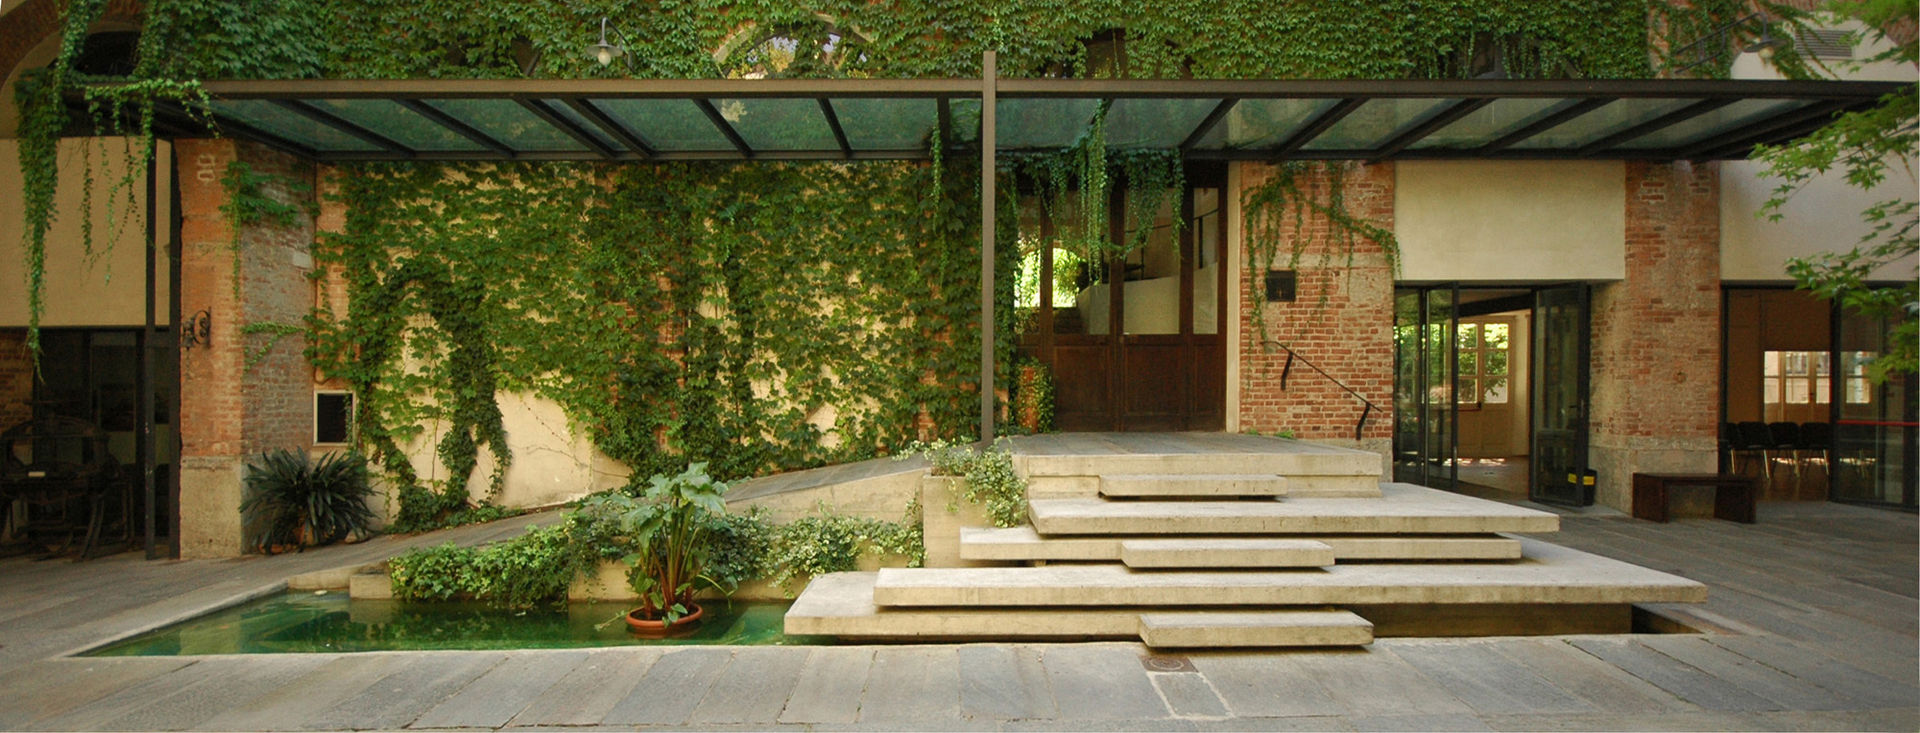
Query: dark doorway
pixel 1135 341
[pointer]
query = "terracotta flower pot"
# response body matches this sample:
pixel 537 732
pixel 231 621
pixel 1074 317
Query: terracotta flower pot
pixel 658 629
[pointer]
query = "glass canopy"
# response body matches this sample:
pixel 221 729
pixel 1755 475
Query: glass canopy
pixel 342 120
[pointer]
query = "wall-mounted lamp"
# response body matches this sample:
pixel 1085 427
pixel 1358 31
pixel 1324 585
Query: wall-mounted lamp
pixel 1766 44
pixel 605 52
pixel 197 330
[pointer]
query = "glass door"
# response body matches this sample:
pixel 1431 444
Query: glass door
pixel 1560 353
pixel 1876 422
pixel 1426 360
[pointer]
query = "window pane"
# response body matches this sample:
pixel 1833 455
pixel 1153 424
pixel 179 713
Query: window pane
pixel 1770 390
pixel 1155 123
pixel 402 125
pixel 1376 122
pixel 508 122
pixel 1496 391
pixel 1492 122
pixel 1607 120
pixel 1797 392
pixel 887 124
pixel 1731 117
pixel 1469 363
pixel 1263 122
pixel 778 124
pixel 1469 335
pixel 1470 388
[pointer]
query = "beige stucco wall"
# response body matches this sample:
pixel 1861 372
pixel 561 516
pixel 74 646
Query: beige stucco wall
pixel 103 290
pixel 1491 221
pixel 552 462
pixel 1823 217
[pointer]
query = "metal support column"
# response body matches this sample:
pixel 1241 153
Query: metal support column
pixel 989 81
pixel 144 423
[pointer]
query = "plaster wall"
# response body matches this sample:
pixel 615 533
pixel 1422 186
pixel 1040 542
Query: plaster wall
pixel 1492 221
pixel 102 289
pixel 1824 216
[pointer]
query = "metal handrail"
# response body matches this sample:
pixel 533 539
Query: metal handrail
pixel 1367 405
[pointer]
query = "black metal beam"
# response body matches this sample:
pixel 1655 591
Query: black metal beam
pixel 304 108
pixel 1206 125
pixel 1109 88
pixel 539 109
pixel 1319 125
pixel 1658 123
pixel 726 128
pixel 459 127
pixel 610 125
pixel 1431 125
pixel 833 121
pixel 1822 111
pixel 943 121
pixel 1542 125
pixel 1739 150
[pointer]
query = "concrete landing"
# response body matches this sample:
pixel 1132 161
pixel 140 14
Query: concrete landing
pixel 1225 552
pixel 1546 574
pixel 1254 629
pixel 1214 485
pixel 1022 544
pixel 1401 509
pixel 1310 468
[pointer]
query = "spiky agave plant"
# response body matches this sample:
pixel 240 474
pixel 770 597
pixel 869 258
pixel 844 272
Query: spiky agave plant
pixel 293 501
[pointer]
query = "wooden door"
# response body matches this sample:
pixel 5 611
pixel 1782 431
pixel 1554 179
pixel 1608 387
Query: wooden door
pixel 1136 342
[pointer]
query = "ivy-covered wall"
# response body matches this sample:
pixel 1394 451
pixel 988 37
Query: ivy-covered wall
pixel 763 316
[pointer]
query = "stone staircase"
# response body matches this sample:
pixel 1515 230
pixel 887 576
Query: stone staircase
pixel 1258 544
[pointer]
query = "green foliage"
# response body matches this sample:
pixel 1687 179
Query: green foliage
pixel 1865 146
pixel 1033 396
pixel 991 482
pixel 294 502
pixel 533 569
pixel 274 331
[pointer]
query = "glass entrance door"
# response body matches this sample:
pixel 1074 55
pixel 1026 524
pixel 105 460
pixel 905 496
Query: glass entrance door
pixel 1560 353
pixel 1876 423
pixel 1426 360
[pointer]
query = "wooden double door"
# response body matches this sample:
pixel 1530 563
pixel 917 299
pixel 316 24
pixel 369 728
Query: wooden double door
pixel 1134 332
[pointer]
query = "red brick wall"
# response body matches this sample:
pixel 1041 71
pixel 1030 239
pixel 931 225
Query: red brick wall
pixel 228 411
pixel 1656 334
pixel 1341 320
pixel 16 378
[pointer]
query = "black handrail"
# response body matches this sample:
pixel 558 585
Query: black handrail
pixel 1367 405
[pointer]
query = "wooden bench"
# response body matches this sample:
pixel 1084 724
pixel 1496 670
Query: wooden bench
pixel 1733 496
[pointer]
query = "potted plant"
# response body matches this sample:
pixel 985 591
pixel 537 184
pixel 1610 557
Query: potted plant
pixel 294 502
pixel 668 525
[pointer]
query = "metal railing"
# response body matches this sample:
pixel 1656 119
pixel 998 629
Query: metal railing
pixel 1366 409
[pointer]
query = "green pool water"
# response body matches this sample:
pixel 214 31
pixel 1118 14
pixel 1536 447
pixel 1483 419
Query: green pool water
pixel 330 622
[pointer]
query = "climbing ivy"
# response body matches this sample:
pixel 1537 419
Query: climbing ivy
pixel 722 313
pixel 1291 193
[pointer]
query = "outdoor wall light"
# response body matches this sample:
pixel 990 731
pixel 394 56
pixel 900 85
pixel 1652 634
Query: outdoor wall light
pixel 1701 50
pixel 605 52
pixel 1766 44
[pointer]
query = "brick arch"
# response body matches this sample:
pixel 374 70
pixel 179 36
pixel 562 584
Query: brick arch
pixel 32 22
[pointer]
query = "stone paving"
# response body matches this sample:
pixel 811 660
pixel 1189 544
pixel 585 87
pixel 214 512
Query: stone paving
pixel 1810 625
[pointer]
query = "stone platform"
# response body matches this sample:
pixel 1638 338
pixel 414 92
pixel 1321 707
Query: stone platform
pixel 1211 540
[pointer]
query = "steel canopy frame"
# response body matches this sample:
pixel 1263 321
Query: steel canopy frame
pixel 546 99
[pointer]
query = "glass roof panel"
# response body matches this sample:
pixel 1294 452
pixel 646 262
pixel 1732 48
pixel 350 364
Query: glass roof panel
pixel 1720 121
pixel 779 124
pixel 389 118
pixel 560 107
pixel 295 127
pixel 1155 123
pixel 669 125
pixel 1607 120
pixel 1257 123
pixel 1377 122
pixel 1026 124
pixel 887 124
pixel 508 122
pixel 1492 122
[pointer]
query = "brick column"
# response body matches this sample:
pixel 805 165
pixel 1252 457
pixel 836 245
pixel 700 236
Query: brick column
pixel 1341 320
pixel 228 410
pixel 1655 399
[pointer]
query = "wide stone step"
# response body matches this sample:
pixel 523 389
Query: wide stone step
pixel 1022 544
pixel 1254 629
pixel 1401 509
pixel 1192 485
pixel 1225 553
pixel 1546 574
pixel 841 605
pixel 1096 454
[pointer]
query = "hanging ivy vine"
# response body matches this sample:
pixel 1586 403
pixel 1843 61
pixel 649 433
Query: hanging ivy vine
pixel 1278 235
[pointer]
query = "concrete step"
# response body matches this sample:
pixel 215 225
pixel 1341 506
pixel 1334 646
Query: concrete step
pixel 841 605
pixel 1225 552
pixel 1547 574
pixel 1217 485
pixel 1088 486
pixel 1401 509
pixel 1254 629
pixel 1252 456
pixel 1022 544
